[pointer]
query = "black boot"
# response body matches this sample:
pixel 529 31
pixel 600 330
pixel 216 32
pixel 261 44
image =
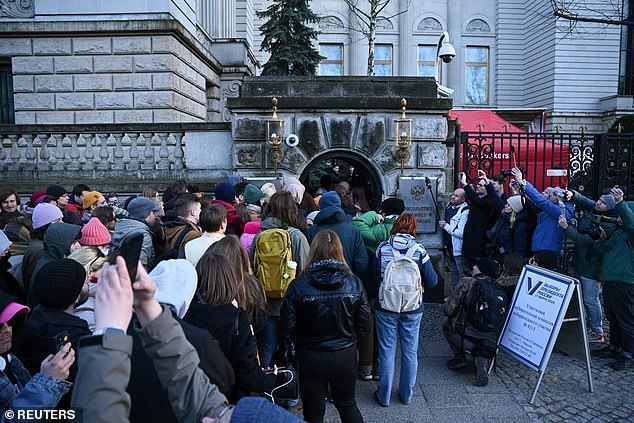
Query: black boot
pixel 481 375
pixel 457 363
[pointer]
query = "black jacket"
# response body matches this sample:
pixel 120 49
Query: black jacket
pixel 325 307
pixel 354 249
pixel 150 402
pixel 482 214
pixel 39 336
pixel 515 240
pixel 230 326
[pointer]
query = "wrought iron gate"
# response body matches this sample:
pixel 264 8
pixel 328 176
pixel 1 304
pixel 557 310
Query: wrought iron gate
pixel 588 163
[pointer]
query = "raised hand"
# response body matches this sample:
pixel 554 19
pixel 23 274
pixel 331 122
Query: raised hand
pixel 517 174
pixel 113 299
pixel 617 193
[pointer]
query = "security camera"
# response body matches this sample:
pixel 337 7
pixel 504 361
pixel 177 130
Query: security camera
pixel 292 140
pixel 447 52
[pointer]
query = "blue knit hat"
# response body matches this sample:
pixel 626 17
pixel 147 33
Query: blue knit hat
pixel 329 199
pixel 225 192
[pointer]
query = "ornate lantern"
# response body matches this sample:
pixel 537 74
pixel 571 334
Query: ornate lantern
pixel 274 136
pixel 403 136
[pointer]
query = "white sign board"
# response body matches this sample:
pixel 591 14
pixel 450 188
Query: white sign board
pixel 535 316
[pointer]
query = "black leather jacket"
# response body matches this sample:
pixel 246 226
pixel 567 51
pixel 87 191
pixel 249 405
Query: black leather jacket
pixel 325 307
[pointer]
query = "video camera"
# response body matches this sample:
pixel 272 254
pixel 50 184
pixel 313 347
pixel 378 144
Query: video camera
pixel 594 231
pixel 506 173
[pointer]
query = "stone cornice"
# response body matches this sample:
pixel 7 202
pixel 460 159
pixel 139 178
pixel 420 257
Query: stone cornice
pixel 162 25
pixel 122 128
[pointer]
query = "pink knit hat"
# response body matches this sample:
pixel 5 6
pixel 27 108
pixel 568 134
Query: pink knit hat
pixel 95 233
pixel 252 227
pixel 45 213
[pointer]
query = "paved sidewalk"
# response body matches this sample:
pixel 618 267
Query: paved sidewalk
pixel 442 395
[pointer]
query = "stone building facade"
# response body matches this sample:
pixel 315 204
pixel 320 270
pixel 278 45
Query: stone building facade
pixel 94 62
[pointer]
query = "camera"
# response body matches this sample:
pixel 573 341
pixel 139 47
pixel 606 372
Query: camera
pixel 506 173
pixel 447 52
pixel 594 231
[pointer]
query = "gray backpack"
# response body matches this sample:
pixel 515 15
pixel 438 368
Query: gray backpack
pixel 402 287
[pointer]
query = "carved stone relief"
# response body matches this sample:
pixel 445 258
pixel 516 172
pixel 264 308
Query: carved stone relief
pixel 17 9
pixel 430 25
pixel 331 22
pixel 478 25
pixel 383 24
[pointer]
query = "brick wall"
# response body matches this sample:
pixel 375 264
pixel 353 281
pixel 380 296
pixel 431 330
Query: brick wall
pixel 109 79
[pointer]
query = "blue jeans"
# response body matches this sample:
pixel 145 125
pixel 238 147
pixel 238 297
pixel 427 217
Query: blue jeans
pixel 270 340
pixel 590 289
pixel 407 326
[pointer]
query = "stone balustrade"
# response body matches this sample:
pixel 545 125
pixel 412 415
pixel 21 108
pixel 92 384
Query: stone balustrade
pixel 68 153
pixel 87 151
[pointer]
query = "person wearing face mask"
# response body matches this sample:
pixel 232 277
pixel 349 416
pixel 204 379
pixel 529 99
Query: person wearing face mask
pixel 18 390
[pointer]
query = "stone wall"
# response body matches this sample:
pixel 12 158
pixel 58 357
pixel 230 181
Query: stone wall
pixel 109 79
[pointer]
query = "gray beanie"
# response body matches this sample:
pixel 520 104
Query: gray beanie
pixel 608 200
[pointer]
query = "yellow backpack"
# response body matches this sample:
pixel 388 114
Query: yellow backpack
pixel 270 262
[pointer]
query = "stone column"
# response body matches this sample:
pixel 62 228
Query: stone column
pixel 356 59
pixel 454 70
pixel 404 40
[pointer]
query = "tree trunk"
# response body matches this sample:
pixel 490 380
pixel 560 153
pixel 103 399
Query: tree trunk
pixel 371 37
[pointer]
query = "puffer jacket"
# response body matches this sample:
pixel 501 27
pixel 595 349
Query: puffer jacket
pixel 455 228
pixel 325 308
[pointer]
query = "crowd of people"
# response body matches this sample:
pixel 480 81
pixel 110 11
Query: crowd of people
pixel 256 296
pixel 490 234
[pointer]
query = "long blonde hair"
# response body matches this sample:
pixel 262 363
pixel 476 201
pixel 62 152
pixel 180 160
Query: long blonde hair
pixel 90 257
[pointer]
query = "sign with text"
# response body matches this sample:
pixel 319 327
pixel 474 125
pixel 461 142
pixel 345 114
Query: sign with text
pixel 539 305
pixel 419 201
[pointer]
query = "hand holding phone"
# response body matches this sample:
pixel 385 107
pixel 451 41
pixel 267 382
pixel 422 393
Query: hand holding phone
pixel 131 252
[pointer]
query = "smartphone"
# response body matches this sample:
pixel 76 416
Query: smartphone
pixel 131 252
pixel 60 340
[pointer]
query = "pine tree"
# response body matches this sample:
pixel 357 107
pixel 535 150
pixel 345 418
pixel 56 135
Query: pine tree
pixel 288 39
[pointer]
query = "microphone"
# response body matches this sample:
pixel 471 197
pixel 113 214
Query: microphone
pixel 428 182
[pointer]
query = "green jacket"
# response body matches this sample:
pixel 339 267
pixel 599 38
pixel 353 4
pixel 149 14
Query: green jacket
pixel 587 263
pixel 618 250
pixel 373 232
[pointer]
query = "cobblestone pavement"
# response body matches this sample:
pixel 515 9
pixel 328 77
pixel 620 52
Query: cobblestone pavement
pixel 445 396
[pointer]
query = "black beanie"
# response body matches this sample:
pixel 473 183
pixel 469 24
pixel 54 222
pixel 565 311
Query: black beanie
pixel 56 191
pixel 58 283
pixel 392 206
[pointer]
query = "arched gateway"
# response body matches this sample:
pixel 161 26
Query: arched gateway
pixel 350 120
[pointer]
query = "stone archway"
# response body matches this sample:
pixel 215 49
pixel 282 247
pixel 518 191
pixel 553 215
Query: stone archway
pixel 364 168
